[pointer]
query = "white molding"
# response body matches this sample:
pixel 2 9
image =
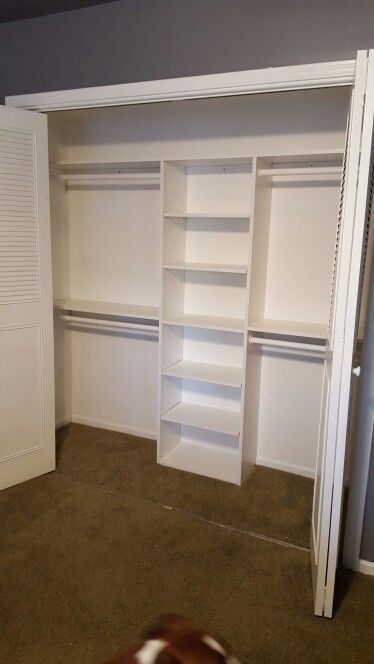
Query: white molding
pixel 272 79
pixel 286 467
pixel 62 422
pixel 366 567
pixel 114 426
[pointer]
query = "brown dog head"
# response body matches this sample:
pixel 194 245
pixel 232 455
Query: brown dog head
pixel 175 640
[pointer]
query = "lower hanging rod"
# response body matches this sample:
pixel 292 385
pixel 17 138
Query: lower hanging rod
pixel 290 345
pixel 100 324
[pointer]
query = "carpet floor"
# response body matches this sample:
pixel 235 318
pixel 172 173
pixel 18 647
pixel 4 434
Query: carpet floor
pixel 85 569
pixel 272 503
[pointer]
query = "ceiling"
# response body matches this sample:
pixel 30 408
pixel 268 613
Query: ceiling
pixel 15 10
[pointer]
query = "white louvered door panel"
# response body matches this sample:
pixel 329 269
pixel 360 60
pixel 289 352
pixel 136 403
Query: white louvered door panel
pixel 27 446
pixel 350 244
pixel 19 249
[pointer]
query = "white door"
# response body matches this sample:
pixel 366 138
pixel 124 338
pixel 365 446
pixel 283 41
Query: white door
pixel 353 216
pixel 27 436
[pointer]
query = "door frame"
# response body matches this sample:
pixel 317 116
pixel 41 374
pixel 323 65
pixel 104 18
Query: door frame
pixel 320 75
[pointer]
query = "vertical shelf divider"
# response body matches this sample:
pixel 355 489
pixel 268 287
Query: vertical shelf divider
pixel 200 429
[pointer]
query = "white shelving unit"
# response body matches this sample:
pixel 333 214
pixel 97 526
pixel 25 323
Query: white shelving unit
pixel 205 245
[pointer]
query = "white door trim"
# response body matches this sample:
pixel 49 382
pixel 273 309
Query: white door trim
pixel 272 79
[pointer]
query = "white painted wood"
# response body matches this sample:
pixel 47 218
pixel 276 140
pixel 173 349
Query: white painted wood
pixel 207 215
pixel 337 373
pixel 207 322
pixel 204 417
pixel 27 426
pixel 366 567
pixel 281 343
pixel 263 125
pixel 216 462
pixel 289 328
pixel 207 267
pixel 76 180
pixel 210 373
pixel 201 239
pixel 354 282
pixel 272 79
pixel 105 166
pixel 115 309
pixel 115 325
pixel 314 172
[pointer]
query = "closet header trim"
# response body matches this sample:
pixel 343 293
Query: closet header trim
pixel 272 79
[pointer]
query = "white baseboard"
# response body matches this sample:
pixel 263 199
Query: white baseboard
pixel 287 467
pixel 61 422
pixel 366 567
pixel 114 426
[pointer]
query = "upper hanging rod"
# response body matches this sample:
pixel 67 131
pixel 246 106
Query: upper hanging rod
pixel 301 171
pixel 290 345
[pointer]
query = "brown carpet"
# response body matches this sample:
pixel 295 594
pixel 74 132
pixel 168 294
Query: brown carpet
pixel 85 569
pixel 271 503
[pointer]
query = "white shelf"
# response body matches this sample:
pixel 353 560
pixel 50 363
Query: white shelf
pixel 108 308
pixel 211 461
pixel 207 215
pixel 77 166
pixel 209 373
pixel 289 328
pixel 204 417
pixel 313 171
pixel 207 267
pixel 207 322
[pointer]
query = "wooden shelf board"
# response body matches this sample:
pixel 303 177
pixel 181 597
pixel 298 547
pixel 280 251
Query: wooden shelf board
pixel 207 322
pixel 207 267
pixel 204 417
pixel 78 166
pixel 211 461
pixel 208 373
pixel 289 328
pixel 207 215
pixel 108 308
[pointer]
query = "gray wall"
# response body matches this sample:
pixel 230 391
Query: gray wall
pixel 133 40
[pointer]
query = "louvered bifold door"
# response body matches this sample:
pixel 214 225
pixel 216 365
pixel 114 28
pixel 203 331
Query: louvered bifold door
pixel 27 446
pixel 335 404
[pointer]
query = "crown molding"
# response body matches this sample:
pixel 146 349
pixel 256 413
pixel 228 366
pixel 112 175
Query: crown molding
pixel 272 79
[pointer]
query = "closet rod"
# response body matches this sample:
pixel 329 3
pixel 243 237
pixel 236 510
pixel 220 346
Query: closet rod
pixel 99 323
pixel 291 345
pixel 311 170
pixel 131 178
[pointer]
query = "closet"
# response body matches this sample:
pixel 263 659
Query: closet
pixel 226 252
pixel 206 258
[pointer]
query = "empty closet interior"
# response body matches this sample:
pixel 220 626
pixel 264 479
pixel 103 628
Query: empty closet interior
pixel 193 246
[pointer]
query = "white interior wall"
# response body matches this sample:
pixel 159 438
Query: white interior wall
pixel 114 377
pixel 301 248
